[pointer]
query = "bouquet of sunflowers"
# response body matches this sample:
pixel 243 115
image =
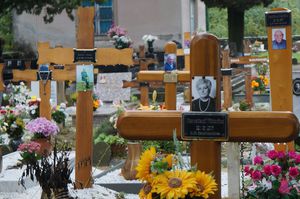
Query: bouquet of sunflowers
pixel 168 176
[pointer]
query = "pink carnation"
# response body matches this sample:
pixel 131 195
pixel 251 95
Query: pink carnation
pixel 293 172
pixel 267 169
pixel 247 170
pixel 284 187
pixel 256 175
pixel 297 159
pixel 258 160
pixel 281 154
pixel 272 154
pixel 292 154
pixel 276 170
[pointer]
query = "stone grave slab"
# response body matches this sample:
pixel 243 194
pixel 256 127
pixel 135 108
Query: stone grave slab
pixel 296 95
pixel 109 86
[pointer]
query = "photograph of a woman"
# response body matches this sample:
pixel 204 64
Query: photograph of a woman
pixel 203 93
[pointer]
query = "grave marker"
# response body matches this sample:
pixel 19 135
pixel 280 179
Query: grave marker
pixel 242 126
pixel 278 20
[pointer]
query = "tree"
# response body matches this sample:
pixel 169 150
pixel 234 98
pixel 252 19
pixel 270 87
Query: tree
pixel 235 13
pixel 51 7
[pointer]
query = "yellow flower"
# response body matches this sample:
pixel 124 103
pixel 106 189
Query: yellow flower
pixel 206 185
pixel 174 184
pixel 169 160
pixel 95 104
pixel 146 192
pixel 266 81
pixel 254 84
pixel 143 168
pixel 33 97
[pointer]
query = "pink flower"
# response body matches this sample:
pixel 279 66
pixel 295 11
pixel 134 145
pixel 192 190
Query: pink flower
pixel 281 154
pixel 256 175
pixel 293 172
pixel 268 169
pixel 292 154
pixel 258 160
pixel 248 170
pixel 272 154
pixel 276 170
pixel 297 159
pixel 284 187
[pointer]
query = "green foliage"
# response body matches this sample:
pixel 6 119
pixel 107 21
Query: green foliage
pixel 58 116
pixel 105 127
pixel 244 105
pixel 236 4
pixel 162 146
pixel 110 139
pixel 48 8
pixel 6 30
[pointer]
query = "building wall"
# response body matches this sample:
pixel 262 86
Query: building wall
pixel 167 19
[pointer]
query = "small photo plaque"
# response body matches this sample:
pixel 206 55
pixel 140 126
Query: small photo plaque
pixel 85 55
pixel 205 126
pixel 296 86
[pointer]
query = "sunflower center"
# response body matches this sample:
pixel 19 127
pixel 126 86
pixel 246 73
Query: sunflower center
pixel 174 182
pixel 147 188
pixel 200 187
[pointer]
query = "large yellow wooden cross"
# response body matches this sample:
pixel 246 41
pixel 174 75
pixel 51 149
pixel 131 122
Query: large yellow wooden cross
pixel 242 126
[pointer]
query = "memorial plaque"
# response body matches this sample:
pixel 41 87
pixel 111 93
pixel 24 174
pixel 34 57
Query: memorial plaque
pixel 204 126
pixel 279 18
pixel 84 55
pixel 170 77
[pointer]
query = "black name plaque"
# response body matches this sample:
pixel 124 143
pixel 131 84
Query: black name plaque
pixel 84 55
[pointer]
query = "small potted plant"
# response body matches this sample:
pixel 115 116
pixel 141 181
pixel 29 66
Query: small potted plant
pixel 42 130
pixel 52 173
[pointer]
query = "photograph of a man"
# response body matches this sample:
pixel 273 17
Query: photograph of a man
pixel 279 39
pixel 170 62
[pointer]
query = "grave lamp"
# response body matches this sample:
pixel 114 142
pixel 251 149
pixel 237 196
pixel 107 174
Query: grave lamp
pixel 44 74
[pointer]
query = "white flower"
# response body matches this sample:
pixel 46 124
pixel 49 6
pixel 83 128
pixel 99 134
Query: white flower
pixel 150 38
pixel 267 184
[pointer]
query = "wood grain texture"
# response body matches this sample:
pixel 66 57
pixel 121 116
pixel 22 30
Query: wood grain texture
pixel 251 126
pixel 227 87
pixel 170 96
pixel 205 61
pixel 45 94
pixel 104 56
pixel 170 48
pixel 85 27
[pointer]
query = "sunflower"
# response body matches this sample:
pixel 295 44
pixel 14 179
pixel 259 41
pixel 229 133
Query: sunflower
pixel 143 168
pixel 146 192
pixel 174 184
pixel 206 185
pixel 169 160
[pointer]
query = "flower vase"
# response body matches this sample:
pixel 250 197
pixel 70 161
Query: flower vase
pixel 14 143
pixel 46 146
pixel 150 47
pixel 134 152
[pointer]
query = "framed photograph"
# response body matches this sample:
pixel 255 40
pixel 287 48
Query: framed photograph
pixel 203 94
pixel 84 77
pixel 278 38
pixel 296 86
pixel 170 62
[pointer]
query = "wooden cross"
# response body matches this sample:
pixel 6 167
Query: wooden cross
pixel 170 87
pixel 242 126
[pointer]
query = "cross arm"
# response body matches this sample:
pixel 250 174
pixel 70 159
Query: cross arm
pixel 243 126
pixel 182 76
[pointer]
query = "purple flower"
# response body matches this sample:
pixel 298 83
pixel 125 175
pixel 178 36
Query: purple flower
pixel 281 154
pixel 42 126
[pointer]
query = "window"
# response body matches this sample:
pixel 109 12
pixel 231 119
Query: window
pixel 103 17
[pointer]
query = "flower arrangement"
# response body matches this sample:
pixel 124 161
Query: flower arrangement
pixel 16 94
pixel 52 173
pixel 119 36
pixel 34 107
pixel 275 176
pixel 28 152
pixel 259 83
pixel 42 128
pixel 149 38
pixel 11 123
pixel 168 176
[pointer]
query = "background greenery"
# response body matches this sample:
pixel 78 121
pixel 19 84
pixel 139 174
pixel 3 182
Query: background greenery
pixel 254 19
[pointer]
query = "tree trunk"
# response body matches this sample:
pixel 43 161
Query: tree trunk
pixel 236 28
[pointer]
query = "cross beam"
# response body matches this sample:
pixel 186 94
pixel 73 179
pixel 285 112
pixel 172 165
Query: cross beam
pixel 243 126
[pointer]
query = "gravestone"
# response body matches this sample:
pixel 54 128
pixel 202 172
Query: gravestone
pixel 36 92
pixel 296 93
pixel 109 86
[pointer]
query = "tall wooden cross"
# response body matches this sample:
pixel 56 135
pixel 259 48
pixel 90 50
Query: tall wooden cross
pixel 242 126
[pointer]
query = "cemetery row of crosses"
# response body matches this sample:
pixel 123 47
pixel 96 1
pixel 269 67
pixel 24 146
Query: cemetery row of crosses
pixel 136 122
